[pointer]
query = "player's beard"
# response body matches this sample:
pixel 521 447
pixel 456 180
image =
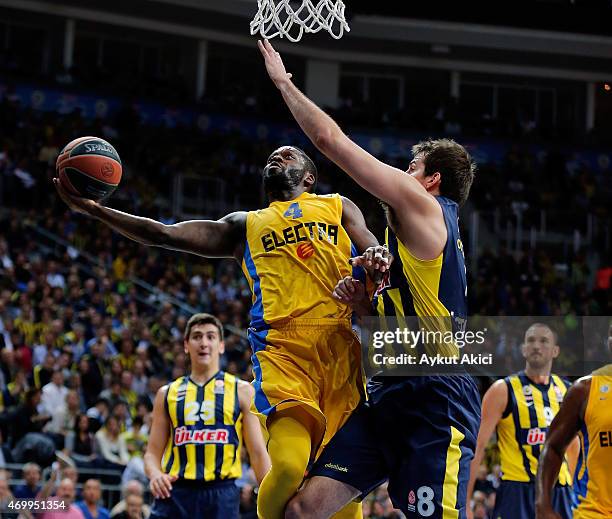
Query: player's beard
pixel 282 180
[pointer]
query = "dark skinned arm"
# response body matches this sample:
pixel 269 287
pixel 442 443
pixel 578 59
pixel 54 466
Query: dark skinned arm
pixel 355 226
pixel 349 290
pixel 222 238
pixel 562 431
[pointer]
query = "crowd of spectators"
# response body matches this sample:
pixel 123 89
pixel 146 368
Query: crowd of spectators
pixel 83 348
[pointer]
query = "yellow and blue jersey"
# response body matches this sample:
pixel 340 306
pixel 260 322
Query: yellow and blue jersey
pixel 595 488
pixel 206 435
pixel 295 253
pixel 522 431
pixel 433 290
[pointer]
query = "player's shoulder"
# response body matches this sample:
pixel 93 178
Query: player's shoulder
pixel 246 391
pixel 499 388
pixel 582 386
pixel 237 218
pixel 560 381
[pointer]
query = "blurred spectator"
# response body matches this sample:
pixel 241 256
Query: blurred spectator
pixel 53 403
pixel 139 378
pixel 6 497
pixel 6 456
pixel 80 442
pixel 31 486
pixel 130 488
pixel 483 481
pixel 92 492
pixel 111 445
pixel 98 414
pixel 135 439
pixel 134 508
pixel 65 496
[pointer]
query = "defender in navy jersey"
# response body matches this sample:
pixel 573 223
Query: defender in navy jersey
pixel 418 432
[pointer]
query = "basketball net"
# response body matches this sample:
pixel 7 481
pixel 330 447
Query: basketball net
pixel 291 19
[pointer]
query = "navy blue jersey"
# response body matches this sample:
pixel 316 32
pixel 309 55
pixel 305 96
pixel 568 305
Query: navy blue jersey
pixel 427 288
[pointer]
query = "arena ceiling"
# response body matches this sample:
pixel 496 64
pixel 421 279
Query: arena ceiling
pixel 543 38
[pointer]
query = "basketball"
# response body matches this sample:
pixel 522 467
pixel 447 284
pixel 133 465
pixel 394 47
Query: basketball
pixel 89 167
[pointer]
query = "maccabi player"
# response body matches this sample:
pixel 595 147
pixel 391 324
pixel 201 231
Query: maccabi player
pixel 417 432
pixel 306 358
pixel 200 422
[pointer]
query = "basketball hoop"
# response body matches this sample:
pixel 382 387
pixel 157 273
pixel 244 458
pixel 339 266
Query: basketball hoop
pixel 292 18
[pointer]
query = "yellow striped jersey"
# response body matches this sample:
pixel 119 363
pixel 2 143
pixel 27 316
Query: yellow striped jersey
pixel 206 435
pixel 433 290
pixel 596 501
pixel 295 253
pixel 521 432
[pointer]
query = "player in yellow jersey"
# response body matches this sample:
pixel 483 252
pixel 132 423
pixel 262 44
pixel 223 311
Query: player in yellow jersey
pixel 521 408
pixel 200 423
pixel 419 433
pixel 587 410
pixel 306 359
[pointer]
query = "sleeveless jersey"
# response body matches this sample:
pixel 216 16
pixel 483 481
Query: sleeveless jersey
pixel 596 433
pixel 206 435
pixel 296 251
pixel 521 432
pixel 433 290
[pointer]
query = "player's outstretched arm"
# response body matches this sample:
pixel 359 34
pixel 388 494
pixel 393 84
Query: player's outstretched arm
pixel 387 183
pixel 160 482
pixel 251 429
pixel 562 431
pixel 494 403
pixel 223 238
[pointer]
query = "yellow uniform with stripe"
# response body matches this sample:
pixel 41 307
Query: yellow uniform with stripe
pixel 522 431
pixel 206 436
pixel 596 502
pixel 304 350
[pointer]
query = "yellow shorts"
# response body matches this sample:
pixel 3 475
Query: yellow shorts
pixel 311 363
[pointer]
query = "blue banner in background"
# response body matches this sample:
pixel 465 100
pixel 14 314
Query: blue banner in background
pixel 394 146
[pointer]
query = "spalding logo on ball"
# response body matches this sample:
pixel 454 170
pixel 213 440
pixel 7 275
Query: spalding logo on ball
pixel 89 167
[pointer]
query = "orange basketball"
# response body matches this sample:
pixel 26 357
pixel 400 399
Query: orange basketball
pixel 89 167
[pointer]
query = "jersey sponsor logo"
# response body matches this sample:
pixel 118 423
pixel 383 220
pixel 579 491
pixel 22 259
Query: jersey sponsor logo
pixel 302 232
pixel 411 501
pixel 460 247
pixel 305 250
pixel 528 394
pixel 536 436
pixel 219 388
pixel 333 466
pixel 605 438
pixel 184 436
pixel 559 394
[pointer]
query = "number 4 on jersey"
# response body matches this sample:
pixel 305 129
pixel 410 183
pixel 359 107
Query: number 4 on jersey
pixel 294 211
